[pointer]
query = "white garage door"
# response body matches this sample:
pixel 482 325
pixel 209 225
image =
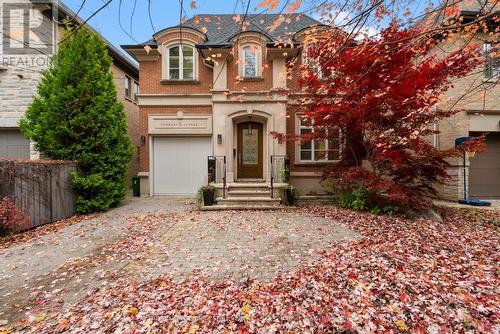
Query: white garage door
pixel 180 164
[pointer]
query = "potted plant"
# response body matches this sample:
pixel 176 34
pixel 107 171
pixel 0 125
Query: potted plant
pixel 291 194
pixel 206 195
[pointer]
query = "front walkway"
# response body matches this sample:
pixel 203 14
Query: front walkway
pixel 145 238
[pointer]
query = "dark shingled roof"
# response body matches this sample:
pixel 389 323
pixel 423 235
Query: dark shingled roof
pixel 221 28
pixel 477 5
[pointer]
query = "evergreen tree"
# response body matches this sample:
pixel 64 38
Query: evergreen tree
pixel 76 116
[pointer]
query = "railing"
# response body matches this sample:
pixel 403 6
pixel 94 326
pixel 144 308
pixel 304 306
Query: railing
pixel 280 170
pixel 217 171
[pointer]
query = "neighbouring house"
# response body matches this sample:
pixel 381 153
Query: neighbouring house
pixel 478 97
pixel 210 89
pixel 25 54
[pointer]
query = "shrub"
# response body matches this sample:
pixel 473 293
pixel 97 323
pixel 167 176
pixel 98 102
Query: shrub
pixel 11 217
pixel 361 199
pixel 76 116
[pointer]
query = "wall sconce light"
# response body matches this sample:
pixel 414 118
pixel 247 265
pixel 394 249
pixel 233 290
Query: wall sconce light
pixel 219 139
pixel 143 140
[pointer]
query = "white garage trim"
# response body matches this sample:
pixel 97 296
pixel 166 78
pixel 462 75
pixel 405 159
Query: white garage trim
pixel 178 164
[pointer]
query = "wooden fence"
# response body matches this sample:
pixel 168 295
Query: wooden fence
pixel 42 189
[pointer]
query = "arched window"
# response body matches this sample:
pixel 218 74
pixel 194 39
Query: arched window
pixel 181 63
pixel 250 62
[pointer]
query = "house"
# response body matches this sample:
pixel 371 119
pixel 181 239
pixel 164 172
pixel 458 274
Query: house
pixel 212 89
pixel 478 97
pixel 24 57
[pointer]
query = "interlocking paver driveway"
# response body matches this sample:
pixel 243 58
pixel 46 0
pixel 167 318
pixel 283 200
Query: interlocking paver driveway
pixel 240 243
pixel 145 238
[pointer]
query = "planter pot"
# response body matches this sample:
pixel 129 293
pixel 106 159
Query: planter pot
pixel 290 196
pixel 208 197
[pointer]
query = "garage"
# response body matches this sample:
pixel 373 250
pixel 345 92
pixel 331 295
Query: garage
pixel 484 173
pixel 179 164
pixel 13 144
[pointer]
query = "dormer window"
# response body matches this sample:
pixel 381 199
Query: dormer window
pixel 250 62
pixel 181 62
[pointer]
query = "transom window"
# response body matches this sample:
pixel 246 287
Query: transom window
pixel 250 62
pixel 181 63
pixel 317 149
pixel 492 55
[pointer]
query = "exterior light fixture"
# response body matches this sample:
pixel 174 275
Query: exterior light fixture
pixel 143 140
pixel 219 139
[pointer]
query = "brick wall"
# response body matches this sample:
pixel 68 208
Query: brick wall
pixel 151 71
pixel 131 110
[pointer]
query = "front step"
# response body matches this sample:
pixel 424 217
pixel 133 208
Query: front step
pixel 249 193
pixel 219 207
pixel 249 201
pixel 246 196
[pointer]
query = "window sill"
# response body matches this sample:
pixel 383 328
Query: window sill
pixel 179 82
pixel 128 98
pixel 252 79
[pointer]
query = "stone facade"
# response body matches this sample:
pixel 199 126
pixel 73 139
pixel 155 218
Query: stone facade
pixel 21 73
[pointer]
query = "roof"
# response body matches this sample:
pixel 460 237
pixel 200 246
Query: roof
pixel 119 58
pixel 476 5
pixel 220 29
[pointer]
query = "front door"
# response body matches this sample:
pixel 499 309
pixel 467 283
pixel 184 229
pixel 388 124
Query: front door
pixel 250 137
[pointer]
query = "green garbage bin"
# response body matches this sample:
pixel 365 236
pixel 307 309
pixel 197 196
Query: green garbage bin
pixel 136 186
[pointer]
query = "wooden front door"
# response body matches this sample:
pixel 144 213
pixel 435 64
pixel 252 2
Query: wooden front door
pixel 250 150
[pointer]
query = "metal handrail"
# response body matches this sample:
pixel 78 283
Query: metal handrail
pixel 212 171
pixel 286 165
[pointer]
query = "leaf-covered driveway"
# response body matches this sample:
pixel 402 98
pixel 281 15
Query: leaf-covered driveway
pixel 394 275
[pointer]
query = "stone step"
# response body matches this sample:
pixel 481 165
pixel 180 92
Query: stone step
pixel 221 207
pixel 249 201
pixel 248 186
pixel 249 193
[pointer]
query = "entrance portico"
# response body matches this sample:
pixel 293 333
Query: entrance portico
pixel 248 153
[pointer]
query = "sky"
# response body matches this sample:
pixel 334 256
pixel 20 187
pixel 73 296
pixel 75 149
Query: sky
pixel 117 24
pixel 165 13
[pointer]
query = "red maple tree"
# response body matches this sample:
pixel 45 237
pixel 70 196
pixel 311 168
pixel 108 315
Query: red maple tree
pixel 381 94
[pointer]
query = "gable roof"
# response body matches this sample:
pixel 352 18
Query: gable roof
pixel 220 29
